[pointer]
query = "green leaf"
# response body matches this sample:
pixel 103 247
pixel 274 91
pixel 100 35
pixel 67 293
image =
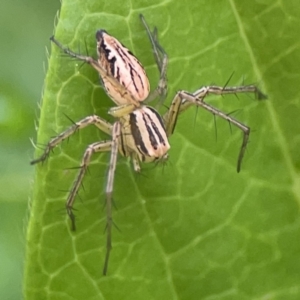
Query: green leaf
pixel 194 229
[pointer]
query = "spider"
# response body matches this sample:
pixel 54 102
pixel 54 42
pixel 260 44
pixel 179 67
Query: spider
pixel 139 131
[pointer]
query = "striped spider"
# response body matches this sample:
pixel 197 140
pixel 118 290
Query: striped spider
pixel 139 131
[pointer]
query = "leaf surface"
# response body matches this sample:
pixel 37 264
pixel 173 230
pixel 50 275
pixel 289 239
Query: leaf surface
pixel 194 229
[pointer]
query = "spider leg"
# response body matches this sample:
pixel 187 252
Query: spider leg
pixel 116 131
pixel 136 163
pixel 84 58
pixel 183 100
pixel 161 59
pixel 219 90
pixel 111 83
pixel 156 48
pixel 121 110
pixel 102 124
pixel 102 146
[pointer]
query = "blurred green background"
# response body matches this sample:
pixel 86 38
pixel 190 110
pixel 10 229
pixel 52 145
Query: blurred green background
pixel 25 28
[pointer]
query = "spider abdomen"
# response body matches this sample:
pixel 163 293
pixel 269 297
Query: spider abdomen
pixel 121 64
pixel 143 133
